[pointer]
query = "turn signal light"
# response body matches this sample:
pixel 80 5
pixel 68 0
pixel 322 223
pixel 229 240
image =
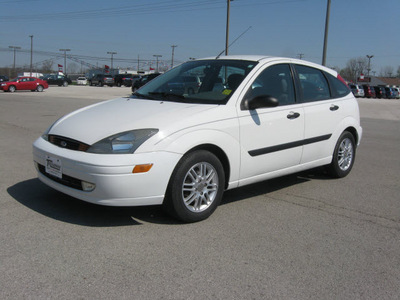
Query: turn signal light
pixel 142 168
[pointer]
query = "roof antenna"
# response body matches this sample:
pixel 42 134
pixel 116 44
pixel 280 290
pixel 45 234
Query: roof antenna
pixel 233 41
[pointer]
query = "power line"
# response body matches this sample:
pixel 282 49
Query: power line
pixel 137 9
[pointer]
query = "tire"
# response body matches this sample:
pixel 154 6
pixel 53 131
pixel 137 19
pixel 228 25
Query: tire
pixel 190 91
pixel 11 89
pixel 65 83
pixel 39 88
pixel 100 83
pixel 90 83
pixel 343 156
pixel 196 187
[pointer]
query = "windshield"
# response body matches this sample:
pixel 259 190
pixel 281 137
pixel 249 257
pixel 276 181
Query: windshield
pixel 203 81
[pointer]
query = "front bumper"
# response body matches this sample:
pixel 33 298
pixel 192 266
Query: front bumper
pixel 115 184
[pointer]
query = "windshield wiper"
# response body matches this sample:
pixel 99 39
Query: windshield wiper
pixel 168 95
pixel 142 96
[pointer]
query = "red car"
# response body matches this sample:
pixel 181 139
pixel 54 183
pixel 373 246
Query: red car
pixel 24 83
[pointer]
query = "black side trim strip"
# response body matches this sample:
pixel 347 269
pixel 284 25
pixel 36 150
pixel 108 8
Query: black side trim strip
pixel 276 148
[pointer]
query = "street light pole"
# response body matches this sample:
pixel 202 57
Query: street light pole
pixel 31 36
pixel 157 56
pixel 227 26
pixel 369 63
pixel 326 33
pixel 172 60
pixel 15 48
pixel 65 59
pixel 112 58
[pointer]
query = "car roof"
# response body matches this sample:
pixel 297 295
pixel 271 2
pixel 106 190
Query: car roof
pixel 266 59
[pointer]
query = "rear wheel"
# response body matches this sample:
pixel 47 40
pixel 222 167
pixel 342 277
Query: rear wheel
pixel 196 187
pixel 65 83
pixel 39 88
pixel 343 156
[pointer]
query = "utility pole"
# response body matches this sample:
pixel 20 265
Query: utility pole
pixel 138 62
pixel 157 56
pixel 369 63
pixel 300 55
pixel 15 48
pixel 172 60
pixel 31 36
pixel 227 26
pixel 65 59
pixel 326 33
pixel 112 57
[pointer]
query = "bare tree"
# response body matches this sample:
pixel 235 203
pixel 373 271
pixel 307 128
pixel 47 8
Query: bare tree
pixel 387 71
pixel 73 68
pixel 47 66
pixel 354 68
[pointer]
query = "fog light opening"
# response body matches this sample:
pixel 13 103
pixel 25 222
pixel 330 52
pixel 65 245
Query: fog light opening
pixel 88 186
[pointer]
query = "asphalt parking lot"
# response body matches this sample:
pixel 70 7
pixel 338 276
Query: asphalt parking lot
pixel 303 236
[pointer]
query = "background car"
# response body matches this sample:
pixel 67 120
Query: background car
pixel 186 84
pixel 81 81
pixel 3 78
pixel 101 79
pixel 369 91
pixel 357 90
pixel 24 83
pixel 60 80
pixel 143 80
pixel 380 92
pixel 396 92
pixel 390 94
pixel 125 79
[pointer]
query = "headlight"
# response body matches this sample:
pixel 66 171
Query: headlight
pixel 122 143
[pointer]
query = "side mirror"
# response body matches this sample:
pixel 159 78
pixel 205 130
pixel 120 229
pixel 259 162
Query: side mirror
pixel 262 101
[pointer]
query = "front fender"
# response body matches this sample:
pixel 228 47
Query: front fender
pixel 227 142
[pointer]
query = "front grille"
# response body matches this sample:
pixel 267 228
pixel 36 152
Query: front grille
pixel 67 143
pixel 65 180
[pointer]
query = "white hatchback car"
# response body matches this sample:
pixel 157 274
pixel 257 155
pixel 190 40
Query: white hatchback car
pixel 81 81
pixel 252 118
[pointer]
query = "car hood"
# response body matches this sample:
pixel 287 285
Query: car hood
pixel 93 123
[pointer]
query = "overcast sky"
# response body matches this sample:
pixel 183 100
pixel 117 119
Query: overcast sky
pixel 143 28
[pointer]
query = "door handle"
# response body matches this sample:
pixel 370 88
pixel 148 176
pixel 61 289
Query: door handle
pixel 334 107
pixel 293 115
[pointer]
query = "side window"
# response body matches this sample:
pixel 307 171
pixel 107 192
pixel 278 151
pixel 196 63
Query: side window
pixel 313 84
pixel 275 81
pixel 339 88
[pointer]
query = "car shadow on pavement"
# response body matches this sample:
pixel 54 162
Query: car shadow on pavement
pixel 37 196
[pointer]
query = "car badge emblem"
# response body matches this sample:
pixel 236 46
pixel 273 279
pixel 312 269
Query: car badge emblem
pixel 63 144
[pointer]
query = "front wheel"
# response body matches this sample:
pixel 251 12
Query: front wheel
pixel 196 187
pixel 11 89
pixel 343 156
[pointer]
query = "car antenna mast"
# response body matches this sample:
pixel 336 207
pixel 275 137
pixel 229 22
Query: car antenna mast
pixel 233 41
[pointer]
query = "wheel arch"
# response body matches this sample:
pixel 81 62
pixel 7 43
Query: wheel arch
pixel 220 154
pixel 354 132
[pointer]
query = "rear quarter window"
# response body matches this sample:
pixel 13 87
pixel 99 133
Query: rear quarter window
pixel 338 88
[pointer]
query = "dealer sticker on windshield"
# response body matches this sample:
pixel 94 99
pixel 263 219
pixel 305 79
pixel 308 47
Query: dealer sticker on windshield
pixel 54 166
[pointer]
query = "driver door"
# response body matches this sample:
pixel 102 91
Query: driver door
pixel 271 137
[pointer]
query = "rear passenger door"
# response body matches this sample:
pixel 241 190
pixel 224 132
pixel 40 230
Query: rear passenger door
pixel 323 112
